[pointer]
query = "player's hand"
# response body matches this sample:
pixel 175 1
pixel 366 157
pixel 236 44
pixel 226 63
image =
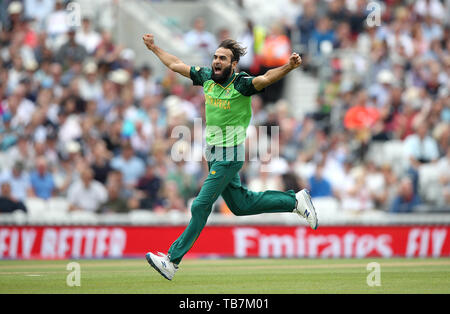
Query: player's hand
pixel 149 41
pixel 295 60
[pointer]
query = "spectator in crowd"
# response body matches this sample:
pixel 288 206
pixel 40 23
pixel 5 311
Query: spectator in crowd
pixel 101 163
pixel 201 40
pixel 186 184
pixel 173 201
pixel 114 203
pixel 322 33
pixel 357 197
pixel 337 12
pixel 247 38
pixel 131 166
pixel 8 133
pixel 15 10
pixel 142 138
pixel 420 147
pixel 8 203
pixel 90 86
pixel 42 181
pixel 358 17
pixel 64 175
pixel 148 190
pixel 19 181
pixel 433 8
pixel 86 194
pixel 319 186
pixel 444 179
pixel 276 52
pixel 107 51
pixel 87 36
pixel 306 22
pixel 406 198
pixel 144 83
pixel 376 184
pixel 39 10
pixel 266 180
pixel 71 51
pixel 56 23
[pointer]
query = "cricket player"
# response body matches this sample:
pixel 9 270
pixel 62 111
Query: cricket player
pixel 228 112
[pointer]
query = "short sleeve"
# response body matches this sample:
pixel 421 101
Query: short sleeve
pixel 244 85
pixel 200 75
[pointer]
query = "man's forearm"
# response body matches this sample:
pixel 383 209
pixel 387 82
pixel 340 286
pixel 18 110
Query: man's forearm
pixel 171 61
pixel 166 58
pixel 272 76
pixel 278 73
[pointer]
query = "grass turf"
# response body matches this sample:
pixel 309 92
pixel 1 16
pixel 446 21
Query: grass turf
pixel 229 276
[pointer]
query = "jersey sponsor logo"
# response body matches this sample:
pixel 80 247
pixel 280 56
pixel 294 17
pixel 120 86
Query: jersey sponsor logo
pixel 217 102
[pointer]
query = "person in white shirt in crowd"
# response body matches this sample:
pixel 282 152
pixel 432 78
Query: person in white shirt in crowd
pixel 23 151
pixel 19 181
pixel 87 194
pixel 201 40
pixel 433 8
pixel 357 197
pixel 420 147
pixel 16 73
pixel 56 25
pixel 376 184
pixel 142 138
pixel 266 179
pixel 89 84
pixel 87 36
pixel 443 166
pixel 39 10
pixel 144 84
pixel 247 39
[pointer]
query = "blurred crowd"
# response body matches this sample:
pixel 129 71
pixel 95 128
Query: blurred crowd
pixel 80 120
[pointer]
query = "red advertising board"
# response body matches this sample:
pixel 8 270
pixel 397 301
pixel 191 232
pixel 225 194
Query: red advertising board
pixel 60 242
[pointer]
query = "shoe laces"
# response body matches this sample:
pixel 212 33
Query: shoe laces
pixel 168 258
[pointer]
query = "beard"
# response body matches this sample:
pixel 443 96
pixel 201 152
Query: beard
pixel 223 77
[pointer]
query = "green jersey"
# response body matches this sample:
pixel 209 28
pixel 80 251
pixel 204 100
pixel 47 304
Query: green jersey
pixel 228 107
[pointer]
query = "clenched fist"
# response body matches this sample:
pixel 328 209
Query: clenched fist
pixel 149 41
pixel 295 60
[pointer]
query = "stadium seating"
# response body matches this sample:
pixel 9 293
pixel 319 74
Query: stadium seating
pixel 36 206
pixel 326 207
pixel 429 186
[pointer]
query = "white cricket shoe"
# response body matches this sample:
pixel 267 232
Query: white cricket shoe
pixel 162 264
pixel 306 209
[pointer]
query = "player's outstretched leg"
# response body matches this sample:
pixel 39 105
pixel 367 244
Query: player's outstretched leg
pixel 305 208
pixel 162 264
pixel 243 202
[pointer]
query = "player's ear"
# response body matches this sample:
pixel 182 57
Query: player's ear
pixel 234 64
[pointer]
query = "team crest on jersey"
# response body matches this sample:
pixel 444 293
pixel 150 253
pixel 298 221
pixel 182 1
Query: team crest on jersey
pixel 197 68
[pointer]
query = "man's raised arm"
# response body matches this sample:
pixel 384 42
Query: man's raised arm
pixel 262 81
pixel 166 58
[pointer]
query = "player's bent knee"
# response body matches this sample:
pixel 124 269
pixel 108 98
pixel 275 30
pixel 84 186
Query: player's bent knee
pixel 200 210
pixel 236 211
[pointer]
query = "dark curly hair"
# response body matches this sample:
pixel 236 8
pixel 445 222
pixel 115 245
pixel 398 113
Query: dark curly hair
pixel 237 50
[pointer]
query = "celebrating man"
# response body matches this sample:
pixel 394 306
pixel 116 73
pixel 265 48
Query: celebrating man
pixel 228 112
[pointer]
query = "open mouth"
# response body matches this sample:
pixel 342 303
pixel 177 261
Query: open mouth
pixel 217 69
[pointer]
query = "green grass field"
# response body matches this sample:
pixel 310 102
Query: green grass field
pixel 229 276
